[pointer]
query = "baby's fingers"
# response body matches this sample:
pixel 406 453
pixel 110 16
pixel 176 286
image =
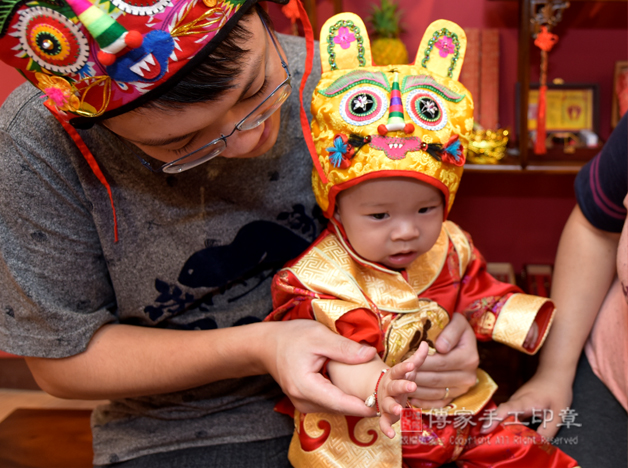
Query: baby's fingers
pixel 399 388
pixel 418 358
pixel 399 371
pixel 391 411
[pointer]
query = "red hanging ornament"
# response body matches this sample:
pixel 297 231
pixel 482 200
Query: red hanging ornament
pixel 545 40
pixel 291 11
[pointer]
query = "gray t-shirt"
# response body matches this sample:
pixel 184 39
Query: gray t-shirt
pixel 197 250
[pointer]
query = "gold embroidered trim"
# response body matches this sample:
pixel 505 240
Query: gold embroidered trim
pixel 338 451
pixel 406 331
pixel 516 318
pixel 327 311
pixel 461 244
pixel 425 269
pixel 330 269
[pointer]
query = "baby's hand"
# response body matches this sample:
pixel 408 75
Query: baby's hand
pixel 532 336
pixel 394 388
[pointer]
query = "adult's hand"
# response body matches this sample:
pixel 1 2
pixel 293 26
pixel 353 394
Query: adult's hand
pixel 301 348
pixel 542 398
pixel 453 367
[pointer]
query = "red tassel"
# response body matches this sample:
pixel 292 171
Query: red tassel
pixel 545 40
pixel 541 134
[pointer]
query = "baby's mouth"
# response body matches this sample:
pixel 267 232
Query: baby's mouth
pixel 402 257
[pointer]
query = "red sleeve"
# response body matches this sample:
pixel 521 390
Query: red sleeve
pixel 481 296
pixel 362 326
pixel 483 300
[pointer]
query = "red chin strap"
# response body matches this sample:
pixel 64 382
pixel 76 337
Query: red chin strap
pixel 309 62
pixel 89 157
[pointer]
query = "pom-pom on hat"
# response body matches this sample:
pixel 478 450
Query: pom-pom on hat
pixel 388 121
pixel 96 59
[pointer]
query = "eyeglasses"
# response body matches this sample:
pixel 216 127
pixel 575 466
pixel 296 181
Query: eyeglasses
pixel 254 119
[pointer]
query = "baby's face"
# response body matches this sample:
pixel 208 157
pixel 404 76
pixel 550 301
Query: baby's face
pixel 391 221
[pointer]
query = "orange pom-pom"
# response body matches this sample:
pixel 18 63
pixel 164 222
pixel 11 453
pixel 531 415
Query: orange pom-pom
pixel 409 128
pixel 106 58
pixel 133 39
pixel 382 130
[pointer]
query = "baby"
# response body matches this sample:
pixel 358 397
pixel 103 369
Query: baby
pixel 390 271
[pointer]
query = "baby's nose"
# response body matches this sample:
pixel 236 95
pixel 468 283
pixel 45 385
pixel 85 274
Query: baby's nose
pixel 406 231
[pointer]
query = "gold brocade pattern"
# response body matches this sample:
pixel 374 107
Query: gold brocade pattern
pixel 330 269
pixel 461 244
pixel 516 318
pixel 406 331
pixel 369 161
pixel 335 452
pixel 426 268
pixel 327 311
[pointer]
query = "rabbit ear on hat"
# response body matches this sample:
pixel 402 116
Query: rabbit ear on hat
pixel 442 49
pixel 344 43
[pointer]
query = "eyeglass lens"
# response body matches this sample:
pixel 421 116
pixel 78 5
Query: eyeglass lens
pixel 273 103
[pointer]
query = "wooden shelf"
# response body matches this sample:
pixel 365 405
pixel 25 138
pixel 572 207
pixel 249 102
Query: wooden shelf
pixel 534 167
pixel 556 161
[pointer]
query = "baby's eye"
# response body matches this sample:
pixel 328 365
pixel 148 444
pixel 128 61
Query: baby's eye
pixel 378 215
pixel 426 209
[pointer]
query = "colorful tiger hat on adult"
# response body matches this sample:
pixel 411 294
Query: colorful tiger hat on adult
pixel 96 59
pixel 385 121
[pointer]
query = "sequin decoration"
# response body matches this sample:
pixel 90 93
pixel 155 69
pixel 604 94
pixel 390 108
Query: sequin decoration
pixel 350 32
pixel 52 40
pixel 427 82
pixel 363 105
pixel 356 78
pixel 426 109
pixel 142 7
pixel 447 42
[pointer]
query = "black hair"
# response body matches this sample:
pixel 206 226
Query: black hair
pixel 215 75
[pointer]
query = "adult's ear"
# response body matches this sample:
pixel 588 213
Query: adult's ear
pixel 442 49
pixel 344 43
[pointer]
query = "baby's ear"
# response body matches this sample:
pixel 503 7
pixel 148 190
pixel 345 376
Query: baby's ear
pixel 442 49
pixel 337 214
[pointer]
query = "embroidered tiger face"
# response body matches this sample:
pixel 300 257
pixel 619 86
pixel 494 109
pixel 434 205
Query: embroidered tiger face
pixel 381 121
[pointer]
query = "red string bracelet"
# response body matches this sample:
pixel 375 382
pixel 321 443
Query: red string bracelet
pixel 372 399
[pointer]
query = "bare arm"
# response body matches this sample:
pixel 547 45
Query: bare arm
pixel 585 267
pixel 362 379
pixel 127 361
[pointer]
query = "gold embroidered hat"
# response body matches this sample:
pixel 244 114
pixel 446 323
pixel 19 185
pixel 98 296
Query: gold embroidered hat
pixel 96 59
pixel 387 121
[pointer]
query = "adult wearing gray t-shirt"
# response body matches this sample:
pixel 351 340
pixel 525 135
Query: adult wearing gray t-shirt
pixel 148 289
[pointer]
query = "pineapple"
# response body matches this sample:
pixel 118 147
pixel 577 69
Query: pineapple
pixel 387 48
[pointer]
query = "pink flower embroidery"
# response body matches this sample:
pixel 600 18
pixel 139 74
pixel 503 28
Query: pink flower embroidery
pixel 58 91
pixel 344 37
pixel 446 46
